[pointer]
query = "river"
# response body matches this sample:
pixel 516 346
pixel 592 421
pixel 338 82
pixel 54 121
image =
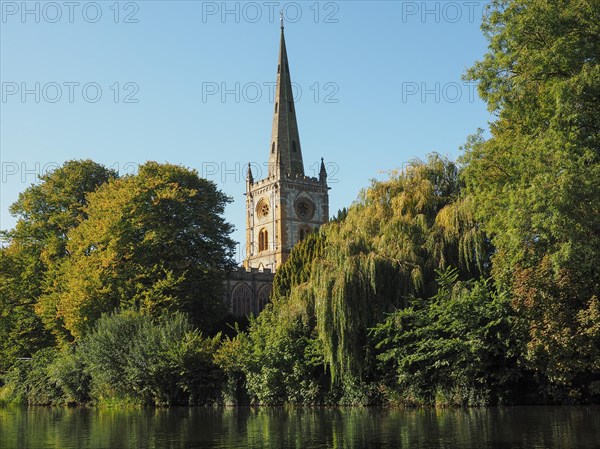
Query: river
pixel 303 428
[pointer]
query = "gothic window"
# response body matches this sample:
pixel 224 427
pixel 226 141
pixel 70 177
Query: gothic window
pixel 241 299
pixel 262 209
pixel 276 106
pixel 273 148
pixel 263 240
pixel 305 209
pixel 264 295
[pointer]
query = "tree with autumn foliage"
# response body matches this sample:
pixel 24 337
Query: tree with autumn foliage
pixel 156 242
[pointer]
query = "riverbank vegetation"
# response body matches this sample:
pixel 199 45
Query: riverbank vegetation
pixel 469 282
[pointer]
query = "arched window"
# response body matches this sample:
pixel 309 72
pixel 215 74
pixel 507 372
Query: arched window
pixel 293 146
pixel 304 231
pixel 264 294
pixel 278 69
pixel 241 300
pixel 263 240
pixel 276 106
pixel 290 106
pixel 273 148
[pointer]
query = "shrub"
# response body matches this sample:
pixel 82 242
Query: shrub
pixel 136 358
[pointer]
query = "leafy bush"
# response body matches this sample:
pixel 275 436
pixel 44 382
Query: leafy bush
pixel 68 372
pixel 133 357
pixel 279 360
pixel 29 381
pixel 459 347
pixel 129 358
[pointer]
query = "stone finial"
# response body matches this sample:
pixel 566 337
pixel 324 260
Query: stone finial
pixel 249 176
pixel 323 172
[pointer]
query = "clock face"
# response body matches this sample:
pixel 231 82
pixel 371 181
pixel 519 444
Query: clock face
pixel 305 209
pixel 263 208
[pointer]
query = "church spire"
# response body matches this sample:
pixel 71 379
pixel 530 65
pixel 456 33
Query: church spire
pixel 285 153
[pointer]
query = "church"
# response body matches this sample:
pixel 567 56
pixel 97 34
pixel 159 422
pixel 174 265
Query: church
pixel 282 208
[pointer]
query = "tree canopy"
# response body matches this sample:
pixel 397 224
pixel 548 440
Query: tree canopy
pixel 154 241
pixel 535 184
pixel 45 213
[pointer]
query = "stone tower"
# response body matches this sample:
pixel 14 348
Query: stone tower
pixel 284 207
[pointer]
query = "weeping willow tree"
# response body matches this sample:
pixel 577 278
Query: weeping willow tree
pixel 387 251
pixel 296 269
pixel 312 343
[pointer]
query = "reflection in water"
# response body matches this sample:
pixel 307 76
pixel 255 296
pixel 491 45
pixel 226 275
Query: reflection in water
pixel 303 428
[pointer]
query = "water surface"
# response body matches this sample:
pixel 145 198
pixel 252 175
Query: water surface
pixel 303 428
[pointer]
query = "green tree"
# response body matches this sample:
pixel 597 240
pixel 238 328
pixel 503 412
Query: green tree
pixel 279 357
pixel 155 241
pixel 45 213
pixel 29 381
pixel 296 269
pixel 22 332
pixel 535 183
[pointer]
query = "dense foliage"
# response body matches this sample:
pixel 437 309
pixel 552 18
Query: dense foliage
pixel 153 241
pixel 468 283
pixel 460 347
pixel 313 344
pixel 535 183
pixel 386 251
pixel 279 360
pixel 128 357
pixel 46 213
pixel 88 243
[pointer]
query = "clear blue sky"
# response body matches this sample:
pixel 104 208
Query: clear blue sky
pixel 380 84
